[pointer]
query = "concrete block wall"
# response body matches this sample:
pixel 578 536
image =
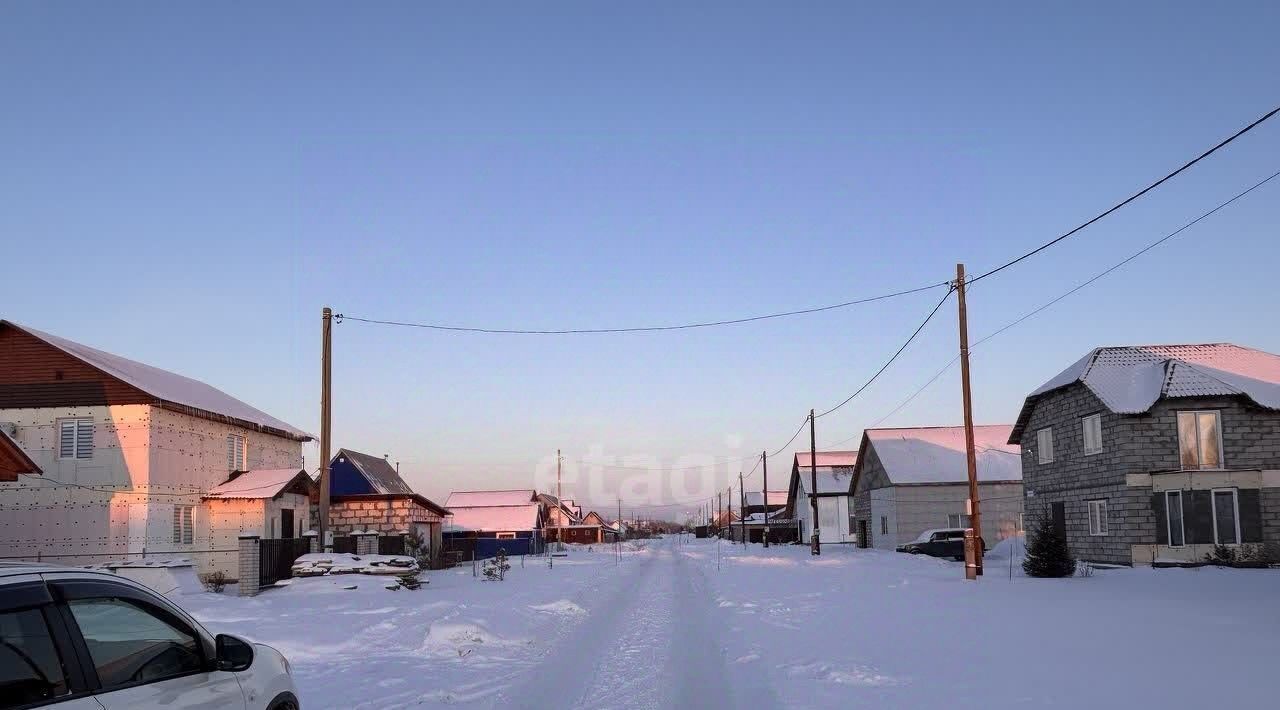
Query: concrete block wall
pixel 250 565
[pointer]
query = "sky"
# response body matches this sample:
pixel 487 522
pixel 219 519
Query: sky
pixel 188 185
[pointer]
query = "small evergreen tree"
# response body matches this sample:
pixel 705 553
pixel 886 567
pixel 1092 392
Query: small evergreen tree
pixel 1047 552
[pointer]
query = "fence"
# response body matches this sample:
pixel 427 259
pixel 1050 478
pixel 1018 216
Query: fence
pixel 276 558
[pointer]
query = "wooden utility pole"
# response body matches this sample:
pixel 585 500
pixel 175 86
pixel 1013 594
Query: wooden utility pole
pixel 975 512
pixel 729 501
pixel 559 498
pixel 764 461
pixel 815 546
pixel 326 420
pixel 742 509
pixel 617 539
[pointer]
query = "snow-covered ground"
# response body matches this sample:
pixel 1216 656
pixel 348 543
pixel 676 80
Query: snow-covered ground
pixel 672 626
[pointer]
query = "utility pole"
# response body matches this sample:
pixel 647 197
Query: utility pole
pixel 815 545
pixel 719 507
pixel 728 494
pixel 764 461
pixel 559 500
pixel 742 509
pixel 975 512
pixel 617 539
pixel 326 420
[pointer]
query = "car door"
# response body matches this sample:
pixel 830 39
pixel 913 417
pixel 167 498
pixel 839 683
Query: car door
pixel 37 662
pixel 142 652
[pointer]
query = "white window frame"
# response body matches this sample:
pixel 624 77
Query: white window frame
pixel 1101 528
pixel 960 517
pixel 184 524
pixel 1235 502
pixel 77 451
pixel 1222 455
pixel 1092 422
pixel 237 453
pixel 1044 453
pixel 505 536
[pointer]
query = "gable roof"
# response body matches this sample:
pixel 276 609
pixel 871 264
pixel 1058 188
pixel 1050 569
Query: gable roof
pixel 598 520
pixel 262 483
pixel 563 506
pixel 938 454
pixel 168 387
pixel 482 499
pixel 753 498
pixel 828 458
pixel 379 472
pixel 14 459
pixel 1130 379
pixel 493 518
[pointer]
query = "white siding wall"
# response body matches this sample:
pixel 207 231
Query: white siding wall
pixel 883 505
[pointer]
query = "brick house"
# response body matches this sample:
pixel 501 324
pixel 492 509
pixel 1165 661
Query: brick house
pixel 367 493
pixel 127 452
pixel 911 480
pixel 1156 453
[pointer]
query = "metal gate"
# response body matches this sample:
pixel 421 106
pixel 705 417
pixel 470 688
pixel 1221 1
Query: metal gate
pixel 276 558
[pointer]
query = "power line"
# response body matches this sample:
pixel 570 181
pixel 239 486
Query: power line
pixel 891 360
pixel 1131 198
pixel 639 329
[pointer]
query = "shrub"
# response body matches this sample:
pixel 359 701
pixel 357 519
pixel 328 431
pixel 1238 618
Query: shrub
pixel 1047 552
pixel 214 581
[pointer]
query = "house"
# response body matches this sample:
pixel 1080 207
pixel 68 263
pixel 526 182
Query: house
pixel 128 452
pixel 757 507
pixel 835 475
pixel 759 502
pixel 915 479
pixel 13 460
pixel 367 493
pixel 275 503
pixel 557 515
pixel 480 523
pixel 1156 452
pixel 594 522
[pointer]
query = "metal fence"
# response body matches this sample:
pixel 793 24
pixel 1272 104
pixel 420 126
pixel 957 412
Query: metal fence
pixel 276 558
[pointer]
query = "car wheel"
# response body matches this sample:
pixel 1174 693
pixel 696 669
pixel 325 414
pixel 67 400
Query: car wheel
pixel 917 552
pixel 283 701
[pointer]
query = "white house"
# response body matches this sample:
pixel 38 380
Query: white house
pixel 834 493
pixel 128 453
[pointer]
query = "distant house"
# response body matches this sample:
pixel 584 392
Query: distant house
pixel 275 503
pixel 595 524
pixel 482 522
pixel 915 479
pixel 130 448
pixel 556 514
pixel 13 460
pixel 367 493
pixel 835 476
pixel 759 509
pixel 1156 452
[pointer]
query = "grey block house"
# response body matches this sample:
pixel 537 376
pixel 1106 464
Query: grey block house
pixel 911 481
pixel 1156 453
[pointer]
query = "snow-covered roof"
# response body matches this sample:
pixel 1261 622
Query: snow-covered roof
pixel 828 458
pixel 937 454
pixel 165 385
pixel 261 483
pixel 775 498
pixel 498 518
pixel 471 499
pixel 1130 379
pixel 379 472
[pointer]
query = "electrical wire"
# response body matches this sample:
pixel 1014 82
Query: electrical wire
pixel 1129 199
pixel 339 317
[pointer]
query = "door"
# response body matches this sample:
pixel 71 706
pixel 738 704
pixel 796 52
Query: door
pixel 147 657
pixel 30 669
pixel 1060 519
pixel 862 534
pixel 286 522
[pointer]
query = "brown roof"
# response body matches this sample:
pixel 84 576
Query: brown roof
pixel 13 460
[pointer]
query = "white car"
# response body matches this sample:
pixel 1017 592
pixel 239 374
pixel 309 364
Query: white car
pixel 77 639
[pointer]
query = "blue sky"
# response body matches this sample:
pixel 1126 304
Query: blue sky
pixel 189 185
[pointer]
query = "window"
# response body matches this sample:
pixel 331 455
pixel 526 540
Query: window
pixel 506 536
pixel 130 644
pixel 959 520
pixel 1044 442
pixel 30 670
pixel 1226 517
pixel 1097 517
pixel 1200 439
pixel 183 524
pixel 235 453
pixel 884 525
pixel 1173 518
pixel 1092 426
pixel 75 438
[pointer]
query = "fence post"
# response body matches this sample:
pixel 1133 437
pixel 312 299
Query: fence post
pixel 366 542
pixel 250 565
pixel 313 540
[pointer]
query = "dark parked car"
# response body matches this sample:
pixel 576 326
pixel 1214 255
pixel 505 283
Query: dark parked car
pixel 942 542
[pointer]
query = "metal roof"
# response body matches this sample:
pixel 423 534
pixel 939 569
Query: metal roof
pixel 377 471
pixel 938 454
pixel 261 483
pixel 1130 379
pixel 484 499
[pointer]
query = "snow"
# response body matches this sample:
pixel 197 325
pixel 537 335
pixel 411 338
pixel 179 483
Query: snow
pixel 330 563
pixel 828 458
pixel 504 518
pixel 685 623
pixel 937 454
pixel 166 385
pixel 484 499
pixel 263 483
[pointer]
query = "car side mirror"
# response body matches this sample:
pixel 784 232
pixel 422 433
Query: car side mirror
pixel 234 654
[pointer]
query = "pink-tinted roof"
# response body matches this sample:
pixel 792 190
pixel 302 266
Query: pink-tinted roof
pixel 937 454
pixel 263 483
pixel 828 458
pixel 473 499
pixel 775 497
pixel 500 518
